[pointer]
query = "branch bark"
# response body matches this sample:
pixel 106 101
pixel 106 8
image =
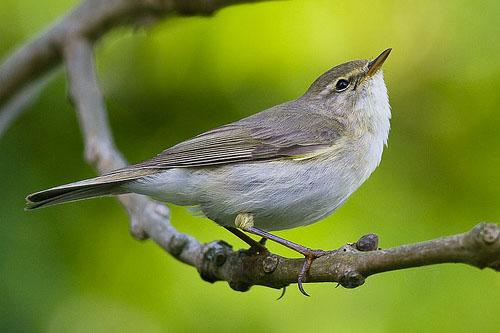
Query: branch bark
pixel 351 264
pixel 71 41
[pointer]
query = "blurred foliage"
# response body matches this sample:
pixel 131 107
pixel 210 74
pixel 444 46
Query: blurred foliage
pixel 74 268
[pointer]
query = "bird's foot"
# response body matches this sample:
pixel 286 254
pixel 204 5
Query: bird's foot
pixel 245 222
pixel 310 255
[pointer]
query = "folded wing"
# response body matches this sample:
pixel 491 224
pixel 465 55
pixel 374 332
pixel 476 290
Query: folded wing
pixel 265 136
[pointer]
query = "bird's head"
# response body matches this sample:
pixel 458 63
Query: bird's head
pixel 354 91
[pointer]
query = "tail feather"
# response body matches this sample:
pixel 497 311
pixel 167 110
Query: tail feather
pixel 56 196
pixel 110 184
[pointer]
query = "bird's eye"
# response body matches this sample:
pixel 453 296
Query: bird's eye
pixel 341 85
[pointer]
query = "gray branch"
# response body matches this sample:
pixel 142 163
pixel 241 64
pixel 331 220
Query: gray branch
pixel 71 41
pixel 90 20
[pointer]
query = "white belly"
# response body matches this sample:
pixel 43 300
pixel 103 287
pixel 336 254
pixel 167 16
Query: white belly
pixel 279 194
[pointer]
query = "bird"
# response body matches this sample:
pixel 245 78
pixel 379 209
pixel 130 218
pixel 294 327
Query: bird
pixel 288 166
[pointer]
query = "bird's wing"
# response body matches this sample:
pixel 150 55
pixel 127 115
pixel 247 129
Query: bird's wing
pixel 265 136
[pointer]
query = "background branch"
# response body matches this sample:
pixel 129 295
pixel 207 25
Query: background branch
pixel 90 20
pixel 147 217
pixel 72 39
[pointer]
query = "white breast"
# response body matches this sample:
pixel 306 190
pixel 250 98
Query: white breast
pixel 374 113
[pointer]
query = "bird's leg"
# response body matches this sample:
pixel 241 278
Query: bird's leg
pixel 244 221
pixel 257 247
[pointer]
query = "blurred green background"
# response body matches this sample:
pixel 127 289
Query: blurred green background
pixel 75 268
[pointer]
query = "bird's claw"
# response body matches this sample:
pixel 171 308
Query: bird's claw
pixel 283 291
pixel 310 256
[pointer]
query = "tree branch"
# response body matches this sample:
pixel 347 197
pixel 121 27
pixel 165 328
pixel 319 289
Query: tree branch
pixel 351 264
pixel 72 39
pixel 90 20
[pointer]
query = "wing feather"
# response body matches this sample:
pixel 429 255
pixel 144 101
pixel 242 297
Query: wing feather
pixel 272 134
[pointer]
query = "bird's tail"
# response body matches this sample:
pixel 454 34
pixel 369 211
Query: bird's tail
pixel 109 184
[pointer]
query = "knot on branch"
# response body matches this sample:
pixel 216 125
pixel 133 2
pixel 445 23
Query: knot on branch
pixel 349 276
pixel 487 233
pixel 214 256
pixel 367 242
pixel 254 269
pixel 270 263
pixel 351 279
pixel 486 243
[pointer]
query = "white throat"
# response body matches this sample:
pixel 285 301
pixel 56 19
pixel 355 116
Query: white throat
pixel 374 114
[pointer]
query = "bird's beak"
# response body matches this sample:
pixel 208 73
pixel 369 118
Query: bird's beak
pixel 375 64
